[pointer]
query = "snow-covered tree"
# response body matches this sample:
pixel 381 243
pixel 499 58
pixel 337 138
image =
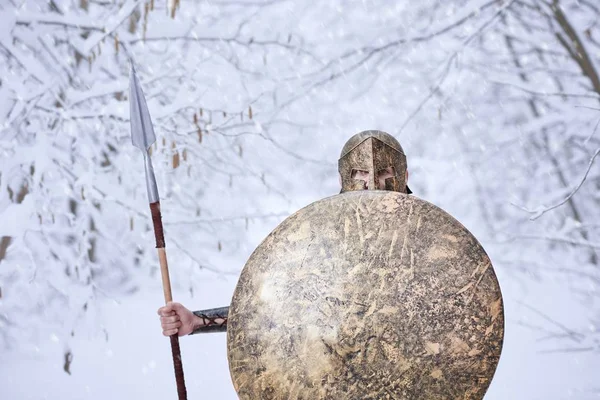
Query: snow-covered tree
pixel 75 223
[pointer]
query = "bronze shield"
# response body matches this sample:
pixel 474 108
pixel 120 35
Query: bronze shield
pixel 366 295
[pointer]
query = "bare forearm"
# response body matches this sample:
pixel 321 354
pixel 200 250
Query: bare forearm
pixel 212 320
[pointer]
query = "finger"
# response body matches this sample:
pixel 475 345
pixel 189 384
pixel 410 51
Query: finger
pixel 169 327
pixel 170 332
pixel 170 306
pixel 165 312
pixel 169 319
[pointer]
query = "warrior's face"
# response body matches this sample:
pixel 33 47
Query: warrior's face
pixel 380 179
pixel 373 160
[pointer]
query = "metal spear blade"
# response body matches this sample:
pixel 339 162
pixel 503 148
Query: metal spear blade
pixel 142 132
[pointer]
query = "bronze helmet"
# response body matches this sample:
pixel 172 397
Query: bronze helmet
pixel 372 151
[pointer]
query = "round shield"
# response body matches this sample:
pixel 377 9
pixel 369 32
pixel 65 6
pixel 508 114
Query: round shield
pixel 366 295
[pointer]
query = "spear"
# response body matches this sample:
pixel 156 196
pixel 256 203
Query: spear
pixel 142 136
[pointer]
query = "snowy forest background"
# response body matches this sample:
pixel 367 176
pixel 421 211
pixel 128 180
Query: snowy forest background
pixel 496 103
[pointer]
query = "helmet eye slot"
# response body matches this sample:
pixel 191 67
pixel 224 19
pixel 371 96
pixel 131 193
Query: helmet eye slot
pixel 362 178
pixel 386 173
pixel 360 174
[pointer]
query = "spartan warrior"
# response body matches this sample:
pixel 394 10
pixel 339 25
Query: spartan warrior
pixel 370 160
pixel 367 294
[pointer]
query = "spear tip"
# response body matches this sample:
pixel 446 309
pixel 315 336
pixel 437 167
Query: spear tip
pixel 142 133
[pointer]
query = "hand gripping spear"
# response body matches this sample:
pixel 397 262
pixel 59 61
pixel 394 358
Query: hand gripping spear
pixel 142 136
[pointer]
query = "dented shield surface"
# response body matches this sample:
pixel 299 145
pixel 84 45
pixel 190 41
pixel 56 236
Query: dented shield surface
pixel 366 295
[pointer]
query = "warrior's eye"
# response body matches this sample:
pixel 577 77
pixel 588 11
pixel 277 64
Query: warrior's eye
pixel 386 173
pixel 360 174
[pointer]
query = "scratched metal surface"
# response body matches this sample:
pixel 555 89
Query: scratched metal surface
pixel 366 295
